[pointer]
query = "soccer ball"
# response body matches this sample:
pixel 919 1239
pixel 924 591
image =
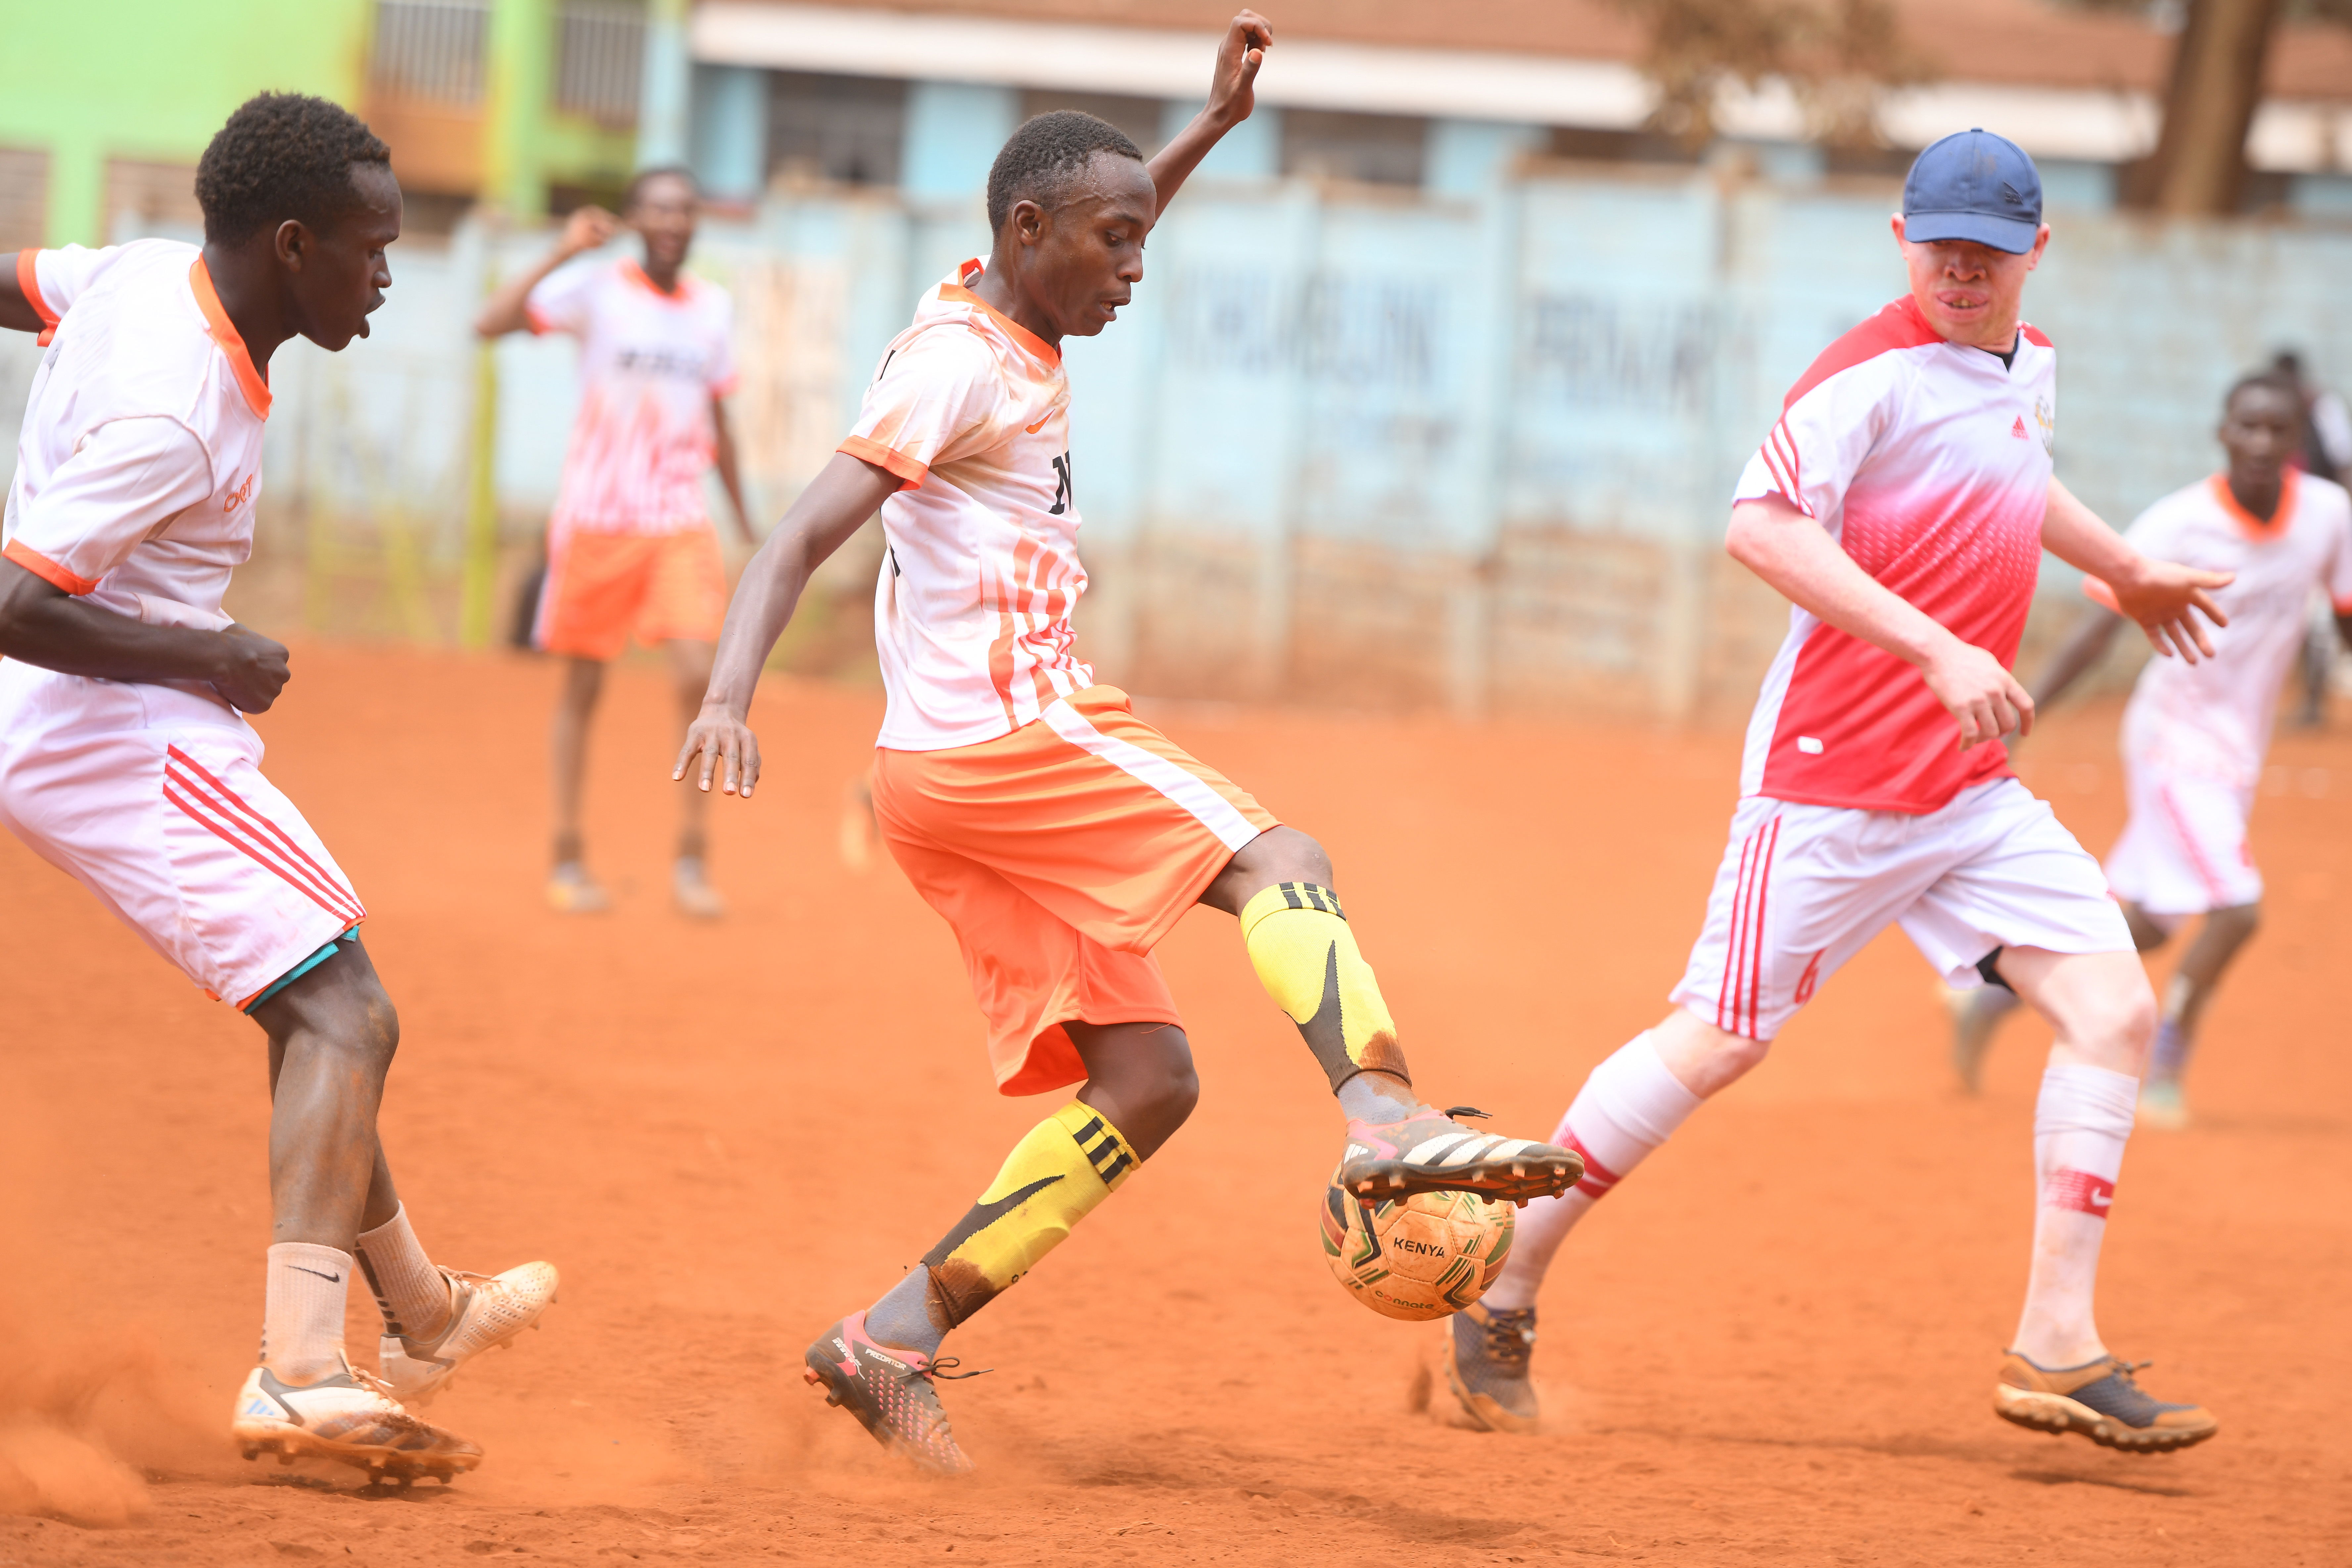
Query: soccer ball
pixel 1428 1255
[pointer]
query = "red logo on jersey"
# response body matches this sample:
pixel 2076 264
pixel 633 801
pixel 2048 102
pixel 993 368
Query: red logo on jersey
pixel 2017 429
pixel 242 493
pixel 2079 1191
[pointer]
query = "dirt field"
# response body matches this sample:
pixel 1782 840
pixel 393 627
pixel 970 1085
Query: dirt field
pixel 1776 1344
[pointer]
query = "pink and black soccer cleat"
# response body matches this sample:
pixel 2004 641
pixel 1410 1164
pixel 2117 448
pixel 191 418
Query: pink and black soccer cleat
pixel 890 1393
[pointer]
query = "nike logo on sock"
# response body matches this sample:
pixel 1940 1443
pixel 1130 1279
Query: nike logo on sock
pixel 329 1279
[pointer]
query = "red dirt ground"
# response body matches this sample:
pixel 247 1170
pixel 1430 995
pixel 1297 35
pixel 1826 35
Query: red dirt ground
pixel 1775 1345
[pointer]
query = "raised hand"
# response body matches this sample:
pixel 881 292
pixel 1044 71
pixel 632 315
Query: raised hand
pixel 586 229
pixel 727 749
pixel 252 669
pixel 1233 92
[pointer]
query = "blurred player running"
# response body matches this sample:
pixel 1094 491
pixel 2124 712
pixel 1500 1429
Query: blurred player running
pixel 1902 502
pixel 2195 734
pixel 126 763
pixel 630 548
pixel 1058 834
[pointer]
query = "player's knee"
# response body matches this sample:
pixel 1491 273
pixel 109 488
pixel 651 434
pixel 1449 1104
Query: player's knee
pixel 2238 924
pixel 1171 1086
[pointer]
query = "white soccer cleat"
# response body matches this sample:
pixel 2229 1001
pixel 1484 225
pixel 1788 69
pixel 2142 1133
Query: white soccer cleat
pixel 485 1312
pixel 349 1417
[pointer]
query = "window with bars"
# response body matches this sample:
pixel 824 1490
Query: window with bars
pixel 847 128
pixel 431 50
pixel 24 197
pixel 600 61
pixel 436 51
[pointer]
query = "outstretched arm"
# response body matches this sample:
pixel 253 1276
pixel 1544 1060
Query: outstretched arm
pixel 1232 95
pixel 844 493
pixel 2159 594
pixel 1796 555
pixel 505 312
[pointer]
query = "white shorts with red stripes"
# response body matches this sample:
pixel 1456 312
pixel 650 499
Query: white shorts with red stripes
pixel 2183 852
pixel 1802 889
pixel 152 798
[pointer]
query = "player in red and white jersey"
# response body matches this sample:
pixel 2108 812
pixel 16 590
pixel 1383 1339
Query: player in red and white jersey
pixel 126 761
pixel 2194 735
pixel 630 546
pixel 1060 835
pixel 1901 502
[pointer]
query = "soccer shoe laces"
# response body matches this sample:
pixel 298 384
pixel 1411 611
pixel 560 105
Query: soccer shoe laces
pixel 939 1369
pixel 1510 1335
pixel 1457 1112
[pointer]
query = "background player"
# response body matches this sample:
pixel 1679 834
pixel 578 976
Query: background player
pixel 2194 735
pixel 126 763
pixel 1059 836
pixel 1902 504
pixel 630 546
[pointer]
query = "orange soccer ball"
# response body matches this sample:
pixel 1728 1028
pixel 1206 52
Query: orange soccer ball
pixel 1428 1255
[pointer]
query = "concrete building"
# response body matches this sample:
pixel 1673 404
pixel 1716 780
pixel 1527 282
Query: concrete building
pixel 1437 97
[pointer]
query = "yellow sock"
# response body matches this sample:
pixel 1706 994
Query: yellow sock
pixel 1307 959
pixel 1053 1178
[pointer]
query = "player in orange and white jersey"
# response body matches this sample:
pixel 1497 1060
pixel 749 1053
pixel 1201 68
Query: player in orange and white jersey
pixel 630 547
pixel 126 761
pixel 1059 835
pixel 2194 735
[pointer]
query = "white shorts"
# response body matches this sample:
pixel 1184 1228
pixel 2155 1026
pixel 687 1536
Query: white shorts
pixel 1802 889
pixel 2183 849
pixel 152 798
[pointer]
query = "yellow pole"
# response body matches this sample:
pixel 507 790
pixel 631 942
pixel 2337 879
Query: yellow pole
pixel 477 611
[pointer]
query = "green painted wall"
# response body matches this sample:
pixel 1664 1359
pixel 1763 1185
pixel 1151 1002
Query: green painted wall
pixel 154 79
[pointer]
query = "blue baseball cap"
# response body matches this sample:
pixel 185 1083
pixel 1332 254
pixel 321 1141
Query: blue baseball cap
pixel 1974 185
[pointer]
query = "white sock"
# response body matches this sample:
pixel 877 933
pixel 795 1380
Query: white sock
pixel 2080 1126
pixel 302 1311
pixel 409 1291
pixel 1629 1106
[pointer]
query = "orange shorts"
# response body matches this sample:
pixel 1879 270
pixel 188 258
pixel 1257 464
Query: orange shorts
pixel 601 588
pixel 1061 854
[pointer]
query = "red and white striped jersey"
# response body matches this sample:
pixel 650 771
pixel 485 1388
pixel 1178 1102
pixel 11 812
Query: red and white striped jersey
pixel 650 364
pixel 972 615
pixel 1930 463
pixel 140 463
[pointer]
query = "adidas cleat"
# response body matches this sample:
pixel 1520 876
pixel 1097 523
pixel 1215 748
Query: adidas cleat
pixel 352 1418
pixel 890 1393
pixel 1486 1357
pixel 2100 1400
pixel 1429 1152
pixel 485 1311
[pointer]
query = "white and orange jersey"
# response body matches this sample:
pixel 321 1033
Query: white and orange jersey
pixel 1930 463
pixel 650 364
pixel 972 615
pixel 2213 717
pixel 140 461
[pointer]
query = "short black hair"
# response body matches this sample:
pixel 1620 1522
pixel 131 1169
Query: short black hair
pixel 283 155
pixel 1040 157
pixel 2268 381
pixel 644 177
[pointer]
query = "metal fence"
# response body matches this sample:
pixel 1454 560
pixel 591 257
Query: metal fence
pixel 431 50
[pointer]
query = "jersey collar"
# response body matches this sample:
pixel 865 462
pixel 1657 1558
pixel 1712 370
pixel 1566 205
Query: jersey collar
pixel 960 292
pixel 635 272
pixel 223 331
pixel 2254 527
